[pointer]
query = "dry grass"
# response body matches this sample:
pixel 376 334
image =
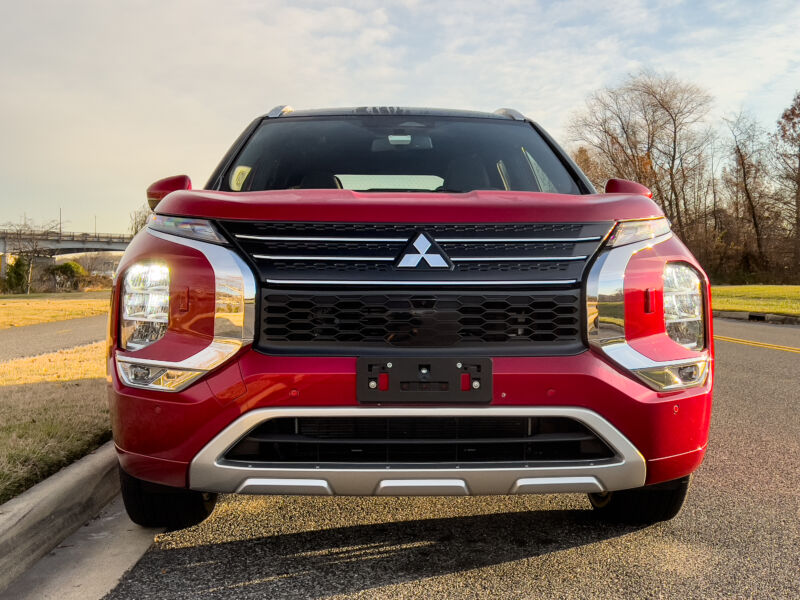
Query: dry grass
pixel 52 411
pixel 777 299
pixel 17 311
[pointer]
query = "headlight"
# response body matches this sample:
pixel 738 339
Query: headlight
pixel 683 306
pixel 628 232
pixel 145 305
pixel 145 312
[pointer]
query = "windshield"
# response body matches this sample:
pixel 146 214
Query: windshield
pixel 398 154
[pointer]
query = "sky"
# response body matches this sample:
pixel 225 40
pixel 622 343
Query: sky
pixel 99 99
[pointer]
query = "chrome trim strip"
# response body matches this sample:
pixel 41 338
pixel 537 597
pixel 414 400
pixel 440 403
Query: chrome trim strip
pixel 520 240
pixel 514 258
pixel 452 258
pixel 401 283
pixel 403 240
pixel 624 354
pixel 422 487
pixel 217 352
pixel 298 487
pixel 605 287
pixel 234 285
pixel 330 258
pixel 290 238
pixel 557 485
pixel 210 472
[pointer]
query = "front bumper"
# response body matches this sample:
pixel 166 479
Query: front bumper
pixel 209 471
pixel 179 439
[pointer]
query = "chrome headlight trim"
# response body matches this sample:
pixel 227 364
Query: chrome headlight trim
pixel 605 291
pixel 234 316
pixel 605 304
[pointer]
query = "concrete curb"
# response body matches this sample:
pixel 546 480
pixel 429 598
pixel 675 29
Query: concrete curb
pixel 756 316
pixel 37 520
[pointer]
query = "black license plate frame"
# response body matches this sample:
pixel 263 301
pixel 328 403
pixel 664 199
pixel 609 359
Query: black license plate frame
pixel 423 380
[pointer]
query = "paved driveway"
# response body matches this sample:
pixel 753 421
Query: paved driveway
pixel 30 340
pixel 738 535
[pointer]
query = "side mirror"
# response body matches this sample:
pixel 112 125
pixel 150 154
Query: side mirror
pixel 162 187
pixel 623 186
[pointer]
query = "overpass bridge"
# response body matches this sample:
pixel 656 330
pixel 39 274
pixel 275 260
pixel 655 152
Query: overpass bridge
pixel 52 243
pixel 55 242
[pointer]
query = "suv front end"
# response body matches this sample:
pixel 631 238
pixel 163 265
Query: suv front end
pixel 317 340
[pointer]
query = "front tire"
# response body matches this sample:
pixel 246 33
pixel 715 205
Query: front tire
pixel 642 506
pixel 152 505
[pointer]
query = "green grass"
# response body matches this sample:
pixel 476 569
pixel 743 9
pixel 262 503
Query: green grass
pixel 53 411
pixel 777 299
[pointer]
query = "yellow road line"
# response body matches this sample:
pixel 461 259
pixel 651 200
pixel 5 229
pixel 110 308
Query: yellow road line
pixel 757 344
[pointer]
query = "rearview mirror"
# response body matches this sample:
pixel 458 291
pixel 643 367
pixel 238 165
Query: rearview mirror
pixel 402 142
pixel 623 186
pixel 162 187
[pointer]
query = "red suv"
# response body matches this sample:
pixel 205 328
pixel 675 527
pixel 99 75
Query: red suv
pixel 397 301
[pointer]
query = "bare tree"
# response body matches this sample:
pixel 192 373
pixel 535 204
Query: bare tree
pixel 651 129
pixel 734 198
pixel 748 177
pixel 26 242
pixel 586 159
pixel 787 157
pixel 139 219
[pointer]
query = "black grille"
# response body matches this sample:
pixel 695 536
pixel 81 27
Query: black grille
pixel 338 289
pixel 330 267
pixel 419 440
pixel 349 252
pixel 533 323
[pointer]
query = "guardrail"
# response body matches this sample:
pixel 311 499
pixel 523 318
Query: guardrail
pixel 66 236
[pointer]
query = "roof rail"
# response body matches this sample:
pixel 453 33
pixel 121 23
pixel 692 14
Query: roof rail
pixel 510 113
pixel 279 110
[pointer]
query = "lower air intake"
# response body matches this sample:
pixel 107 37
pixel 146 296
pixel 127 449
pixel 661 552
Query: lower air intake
pixel 418 441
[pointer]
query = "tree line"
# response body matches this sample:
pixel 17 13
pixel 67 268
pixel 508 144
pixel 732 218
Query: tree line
pixel 730 189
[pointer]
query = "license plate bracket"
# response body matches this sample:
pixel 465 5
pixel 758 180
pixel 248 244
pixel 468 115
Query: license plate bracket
pixel 426 380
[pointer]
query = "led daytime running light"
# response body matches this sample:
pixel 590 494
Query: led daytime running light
pixel 196 229
pixel 628 232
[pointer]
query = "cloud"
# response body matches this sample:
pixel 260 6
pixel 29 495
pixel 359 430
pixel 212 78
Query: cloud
pixel 101 98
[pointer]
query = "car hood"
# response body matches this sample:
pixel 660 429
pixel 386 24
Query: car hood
pixel 350 206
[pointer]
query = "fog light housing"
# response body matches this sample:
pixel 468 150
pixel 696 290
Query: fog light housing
pixel 675 377
pixel 155 377
pixel 144 305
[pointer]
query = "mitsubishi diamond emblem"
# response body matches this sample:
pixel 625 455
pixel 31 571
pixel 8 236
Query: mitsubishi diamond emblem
pixel 423 252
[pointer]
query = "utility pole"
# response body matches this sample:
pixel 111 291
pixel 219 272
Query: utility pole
pixel 59 223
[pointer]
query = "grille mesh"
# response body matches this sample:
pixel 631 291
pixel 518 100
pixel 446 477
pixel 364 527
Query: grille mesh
pixel 418 440
pixel 420 320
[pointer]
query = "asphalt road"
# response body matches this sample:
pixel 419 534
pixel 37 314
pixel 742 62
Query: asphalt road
pixel 31 340
pixel 738 535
